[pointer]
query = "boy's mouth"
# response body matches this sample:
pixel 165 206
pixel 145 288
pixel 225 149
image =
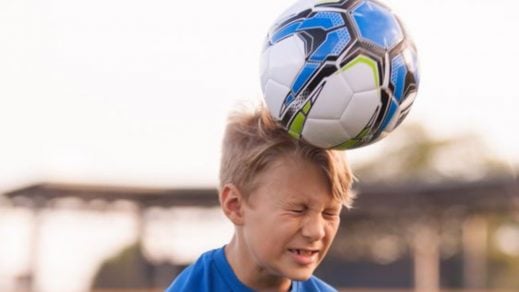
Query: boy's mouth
pixel 304 257
pixel 303 252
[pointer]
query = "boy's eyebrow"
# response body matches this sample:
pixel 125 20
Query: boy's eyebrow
pixel 294 203
pixel 334 208
pixel 297 201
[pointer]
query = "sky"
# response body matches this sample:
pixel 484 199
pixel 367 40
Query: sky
pixel 136 92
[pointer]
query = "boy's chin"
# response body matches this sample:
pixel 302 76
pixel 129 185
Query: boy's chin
pixel 302 279
pixel 300 275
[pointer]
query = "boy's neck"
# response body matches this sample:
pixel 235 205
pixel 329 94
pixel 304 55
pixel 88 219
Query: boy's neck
pixel 247 271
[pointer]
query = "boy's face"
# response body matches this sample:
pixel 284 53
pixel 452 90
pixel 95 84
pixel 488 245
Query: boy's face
pixel 290 219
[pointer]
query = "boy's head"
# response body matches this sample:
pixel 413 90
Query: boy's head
pixel 253 141
pixel 284 198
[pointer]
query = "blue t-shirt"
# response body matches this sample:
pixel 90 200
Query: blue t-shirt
pixel 212 272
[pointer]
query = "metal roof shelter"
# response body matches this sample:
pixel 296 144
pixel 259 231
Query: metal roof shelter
pixel 44 194
pixel 479 196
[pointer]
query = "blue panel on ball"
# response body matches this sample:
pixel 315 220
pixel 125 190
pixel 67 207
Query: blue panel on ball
pixel 289 99
pixel 334 44
pixel 398 73
pixel 323 20
pixel 377 24
pixel 285 31
pixel 304 76
pixel 389 115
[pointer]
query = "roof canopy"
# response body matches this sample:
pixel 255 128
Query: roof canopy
pixel 480 196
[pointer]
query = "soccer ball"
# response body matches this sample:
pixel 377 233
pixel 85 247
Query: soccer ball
pixel 339 74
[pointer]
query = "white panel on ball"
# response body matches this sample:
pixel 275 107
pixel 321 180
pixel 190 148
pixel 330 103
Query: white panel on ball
pixel 408 101
pixel 361 77
pixel 354 118
pixel 324 133
pixel 274 95
pixel 286 60
pixel 333 99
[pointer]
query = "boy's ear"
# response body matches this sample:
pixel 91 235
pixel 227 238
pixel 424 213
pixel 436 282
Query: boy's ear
pixel 231 201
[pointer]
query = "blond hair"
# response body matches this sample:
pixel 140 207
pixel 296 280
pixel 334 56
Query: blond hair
pixel 253 141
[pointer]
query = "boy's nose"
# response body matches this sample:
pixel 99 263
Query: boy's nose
pixel 314 227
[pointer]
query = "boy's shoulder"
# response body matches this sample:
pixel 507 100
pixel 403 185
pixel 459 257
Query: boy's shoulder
pixel 211 272
pixel 193 275
pixel 311 285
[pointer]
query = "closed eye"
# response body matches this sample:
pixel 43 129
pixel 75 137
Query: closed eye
pixel 298 209
pixel 331 213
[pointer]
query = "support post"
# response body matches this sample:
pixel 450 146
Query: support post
pixel 474 238
pixel 426 256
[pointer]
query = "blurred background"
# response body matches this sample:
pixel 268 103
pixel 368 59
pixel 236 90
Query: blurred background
pixel 112 112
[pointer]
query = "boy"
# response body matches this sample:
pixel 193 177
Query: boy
pixel 284 198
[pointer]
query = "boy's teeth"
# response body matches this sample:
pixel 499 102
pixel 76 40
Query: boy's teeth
pixel 303 252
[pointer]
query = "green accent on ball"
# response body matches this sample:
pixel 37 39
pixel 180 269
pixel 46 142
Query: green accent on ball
pixel 307 107
pixel 363 133
pixel 346 145
pixel 354 141
pixel 296 127
pixel 365 60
